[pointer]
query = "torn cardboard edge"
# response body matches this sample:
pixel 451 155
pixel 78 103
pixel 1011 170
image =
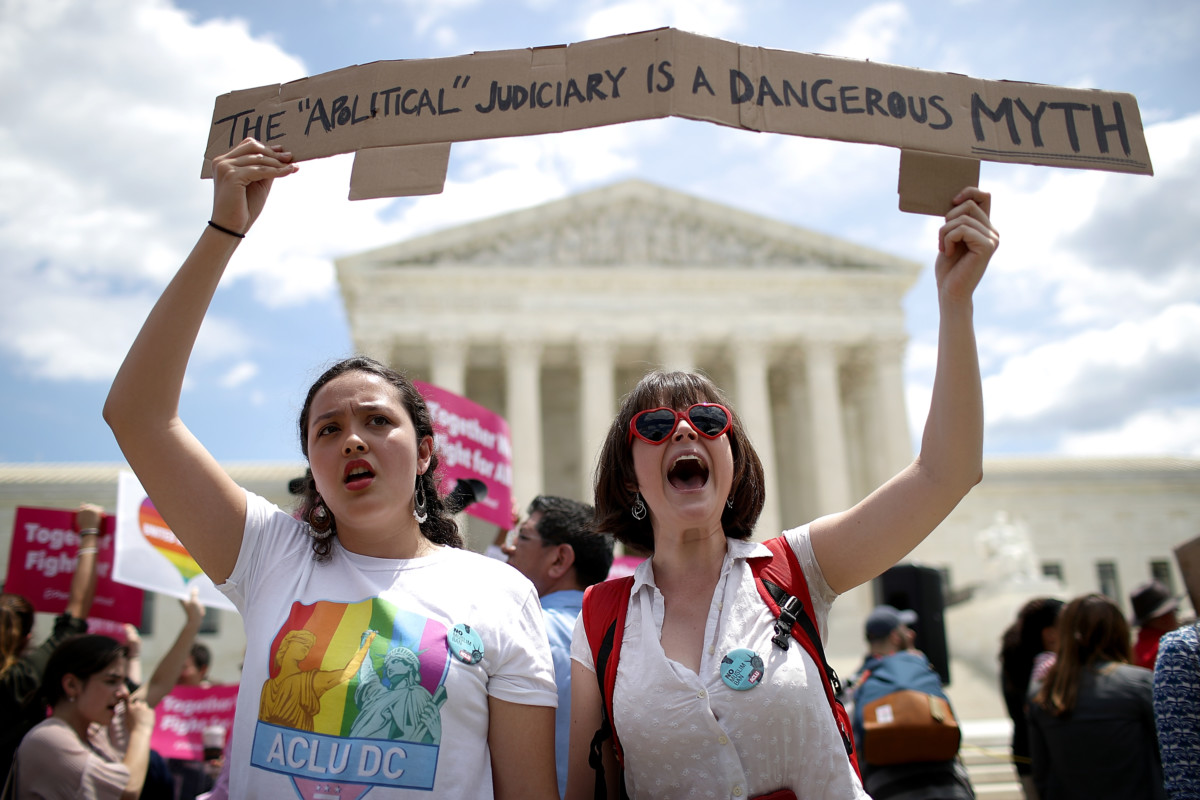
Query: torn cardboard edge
pixel 933 118
pixel 403 171
pixel 930 181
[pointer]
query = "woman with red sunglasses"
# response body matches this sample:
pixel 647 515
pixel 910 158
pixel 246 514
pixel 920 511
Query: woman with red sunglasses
pixel 678 476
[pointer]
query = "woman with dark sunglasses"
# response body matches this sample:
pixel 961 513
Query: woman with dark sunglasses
pixel 678 476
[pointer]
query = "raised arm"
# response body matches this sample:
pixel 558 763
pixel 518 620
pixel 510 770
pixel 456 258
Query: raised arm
pixel 133 646
pixel 200 503
pixel 854 546
pixel 88 520
pixel 166 674
pixel 139 725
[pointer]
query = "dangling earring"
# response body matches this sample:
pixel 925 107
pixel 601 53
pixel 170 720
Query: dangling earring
pixel 419 512
pixel 320 521
pixel 639 508
pixel 729 502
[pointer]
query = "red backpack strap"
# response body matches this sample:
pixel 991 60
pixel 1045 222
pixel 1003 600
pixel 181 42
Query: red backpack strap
pixel 781 582
pixel 604 607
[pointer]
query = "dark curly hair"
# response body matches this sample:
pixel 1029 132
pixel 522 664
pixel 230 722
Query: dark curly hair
pixel 1022 642
pixel 615 475
pixel 439 526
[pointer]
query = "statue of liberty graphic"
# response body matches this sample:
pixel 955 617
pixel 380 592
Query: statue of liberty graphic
pixel 392 703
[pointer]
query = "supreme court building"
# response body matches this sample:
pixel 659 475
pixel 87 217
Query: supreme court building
pixel 549 315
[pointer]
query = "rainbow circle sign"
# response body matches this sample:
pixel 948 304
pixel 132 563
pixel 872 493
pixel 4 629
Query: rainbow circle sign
pixel 148 554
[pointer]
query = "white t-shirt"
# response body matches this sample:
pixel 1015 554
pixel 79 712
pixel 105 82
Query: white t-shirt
pixel 318 716
pixel 690 735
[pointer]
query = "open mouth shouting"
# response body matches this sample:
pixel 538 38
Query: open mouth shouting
pixel 688 472
pixel 358 475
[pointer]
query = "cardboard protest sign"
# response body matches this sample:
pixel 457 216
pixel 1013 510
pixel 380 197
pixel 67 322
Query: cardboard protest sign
pixel 42 562
pixel 473 443
pixel 666 72
pixel 183 715
pixel 1187 555
pixel 149 555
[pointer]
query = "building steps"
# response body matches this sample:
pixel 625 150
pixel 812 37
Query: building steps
pixel 986 753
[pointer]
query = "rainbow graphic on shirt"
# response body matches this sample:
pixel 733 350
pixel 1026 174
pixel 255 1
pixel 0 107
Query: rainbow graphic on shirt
pixel 353 699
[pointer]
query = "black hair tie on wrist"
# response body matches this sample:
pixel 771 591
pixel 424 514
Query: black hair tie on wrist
pixel 223 229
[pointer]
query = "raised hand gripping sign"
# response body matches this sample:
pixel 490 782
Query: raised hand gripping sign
pixel 383 109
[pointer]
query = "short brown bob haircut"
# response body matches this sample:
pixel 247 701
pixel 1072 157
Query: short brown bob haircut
pixel 616 483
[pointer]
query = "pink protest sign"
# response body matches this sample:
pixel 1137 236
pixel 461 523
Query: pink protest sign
pixel 472 443
pixel 42 560
pixel 106 627
pixel 182 716
pixel 624 565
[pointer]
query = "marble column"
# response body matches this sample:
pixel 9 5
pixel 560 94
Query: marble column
pixel 523 406
pixel 448 370
pixel 830 467
pixel 676 353
pixel 831 478
pixel 597 405
pixel 890 408
pixel 379 348
pixel 799 500
pixel 448 367
pixel 753 392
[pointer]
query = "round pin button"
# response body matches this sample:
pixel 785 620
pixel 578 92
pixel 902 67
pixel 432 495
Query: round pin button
pixel 741 669
pixel 465 644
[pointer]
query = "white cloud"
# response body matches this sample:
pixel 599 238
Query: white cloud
pixel 1097 379
pixel 62 335
pixel 99 171
pixel 427 16
pixel 1153 432
pixel 871 34
pixel 238 374
pixel 718 18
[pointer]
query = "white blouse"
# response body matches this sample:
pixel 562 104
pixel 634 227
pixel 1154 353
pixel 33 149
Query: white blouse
pixel 690 735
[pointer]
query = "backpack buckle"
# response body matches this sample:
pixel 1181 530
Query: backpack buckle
pixel 788 611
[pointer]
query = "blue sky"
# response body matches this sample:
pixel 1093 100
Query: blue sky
pixel 1088 321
